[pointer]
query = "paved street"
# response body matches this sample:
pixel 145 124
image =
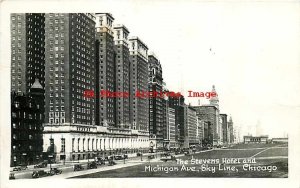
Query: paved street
pixel 264 155
pixel 68 170
pixel 271 158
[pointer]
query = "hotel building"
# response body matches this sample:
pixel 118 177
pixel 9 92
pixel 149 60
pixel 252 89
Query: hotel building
pixel 139 106
pixel 27 51
pixel 70 70
pixel 122 75
pixel 105 70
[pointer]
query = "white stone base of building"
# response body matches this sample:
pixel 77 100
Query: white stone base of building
pixel 78 142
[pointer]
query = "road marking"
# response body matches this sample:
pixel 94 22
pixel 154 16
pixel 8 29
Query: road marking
pixel 249 148
pixel 266 150
pixel 273 157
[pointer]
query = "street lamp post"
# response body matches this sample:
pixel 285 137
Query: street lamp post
pixel 141 154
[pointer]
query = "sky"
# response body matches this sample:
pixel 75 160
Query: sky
pixel 248 50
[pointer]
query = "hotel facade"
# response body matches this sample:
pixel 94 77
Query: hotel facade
pixel 80 55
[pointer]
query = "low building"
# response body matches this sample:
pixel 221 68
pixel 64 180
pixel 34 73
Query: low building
pixel 27 117
pixel 255 139
pixel 279 140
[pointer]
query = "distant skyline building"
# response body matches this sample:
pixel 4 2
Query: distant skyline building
pixel 170 131
pixel 178 104
pixel 214 100
pixel 200 130
pixel 230 131
pixel 190 127
pixel 224 127
pixel 210 113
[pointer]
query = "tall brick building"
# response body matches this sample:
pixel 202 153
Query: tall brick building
pixel 139 105
pixel 122 75
pixel 27 51
pixel 70 70
pixel 157 105
pixel 105 70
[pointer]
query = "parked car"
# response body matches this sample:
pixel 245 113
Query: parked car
pixel 41 165
pixel 151 156
pixel 78 167
pixel 187 153
pixel 12 176
pixel 138 154
pixel 100 161
pixel 91 165
pixel 107 158
pixel 111 163
pixel 19 168
pixel 55 171
pixel 39 174
pixel 168 158
pixel 118 157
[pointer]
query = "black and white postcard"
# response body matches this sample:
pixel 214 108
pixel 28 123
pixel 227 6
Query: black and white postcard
pixel 152 92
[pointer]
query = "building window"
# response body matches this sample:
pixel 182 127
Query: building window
pixel 51 145
pixel 73 140
pixel 63 145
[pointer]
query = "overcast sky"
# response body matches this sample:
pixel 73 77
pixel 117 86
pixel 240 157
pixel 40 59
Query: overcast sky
pixel 249 51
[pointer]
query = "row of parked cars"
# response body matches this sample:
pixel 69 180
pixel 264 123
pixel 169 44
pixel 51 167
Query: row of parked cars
pixel 98 162
pixel 43 173
pixel 53 171
pixel 19 168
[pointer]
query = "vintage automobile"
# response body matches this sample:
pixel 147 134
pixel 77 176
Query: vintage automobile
pixel 55 171
pixel 78 167
pixel 107 158
pixel 118 157
pixel 41 165
pixel 100 161
pixel 111 163
pixel 40 173
pixel 168 158
pixel 12 176
pixel 91 165
pixel 151 156
pixel 19 168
